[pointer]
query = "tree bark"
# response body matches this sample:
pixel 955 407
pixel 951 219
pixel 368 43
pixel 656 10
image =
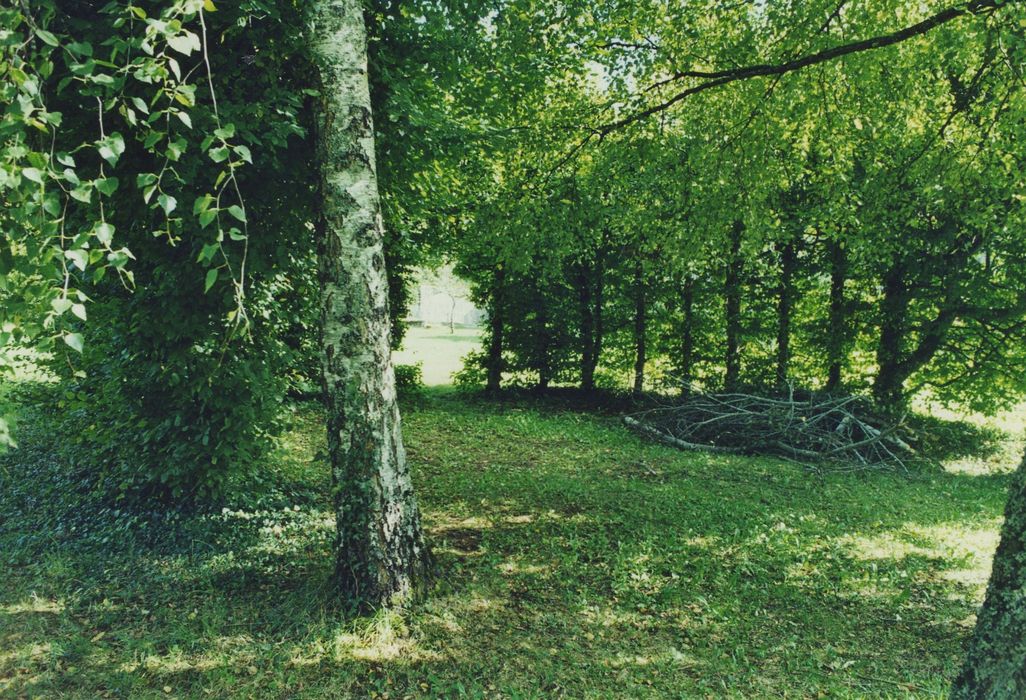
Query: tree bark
pixel 590 297
pixel 785 301
pixel 732 294
pixel 582 273
pixel 543 340
pixel 995 667
pixel 640 329
pixel 381 555
pixel 687 349
pixel 497 327
pixel 838 321
pixel 888 387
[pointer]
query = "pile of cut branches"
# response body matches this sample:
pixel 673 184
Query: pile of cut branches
pixel 811 429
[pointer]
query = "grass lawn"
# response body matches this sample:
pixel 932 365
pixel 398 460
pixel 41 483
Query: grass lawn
pixel 439 351
pixel 575 560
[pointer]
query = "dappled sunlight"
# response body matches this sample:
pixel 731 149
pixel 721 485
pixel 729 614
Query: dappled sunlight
pixel 33 604
pixel 639 568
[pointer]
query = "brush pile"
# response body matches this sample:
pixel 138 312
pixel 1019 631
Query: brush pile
pixel 811 429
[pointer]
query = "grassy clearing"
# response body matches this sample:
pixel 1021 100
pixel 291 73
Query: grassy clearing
pixel 440 352
pixel 575 561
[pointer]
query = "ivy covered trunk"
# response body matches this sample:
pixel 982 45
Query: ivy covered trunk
pixel 380 548
pixel 996 666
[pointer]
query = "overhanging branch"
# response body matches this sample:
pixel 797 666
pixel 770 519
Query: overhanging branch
pixel 712 79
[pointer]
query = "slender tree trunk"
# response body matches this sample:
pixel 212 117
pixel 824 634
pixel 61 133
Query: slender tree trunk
pixel 640 329
pixel 785 301
pixel 732 294
pixel 597 313
pixel 838 322
pixel 544 343
pixel 687 349
pixel 381 556
pixel 995 668
pixel 497 327
pixel 591 297
pixel 888 387
pixel 587 321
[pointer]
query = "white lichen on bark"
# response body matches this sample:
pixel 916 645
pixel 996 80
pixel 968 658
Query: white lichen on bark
pixel 381 554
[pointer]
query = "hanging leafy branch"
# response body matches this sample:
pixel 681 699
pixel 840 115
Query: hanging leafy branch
pixel 58 183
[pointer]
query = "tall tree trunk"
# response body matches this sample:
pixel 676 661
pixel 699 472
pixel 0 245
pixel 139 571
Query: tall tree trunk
pixel 732 294
pixel 995 667
pixel 543 340
pixel 785 301
pixel 687 341
pixel 497 326
pixel 888 387
pixel 598 310
pixel 587 321
pixel 591 296
pixel 381 555
pixel 838 322
pixel 640 329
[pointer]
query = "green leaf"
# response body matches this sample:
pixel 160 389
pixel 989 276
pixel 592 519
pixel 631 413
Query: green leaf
pixel 79 310
pixel 104 233
pixel 74 341
pixel 211 279
pixel 184 43
pixel 207 253
pixel 33 174
pixel 78 257
pixel 112 147
pixel 47 37
pixel 107 185
pixel 167 203
pixel 238 212
pixel 83 194
pixel 207 216
pixel 61 304
pixel 244 153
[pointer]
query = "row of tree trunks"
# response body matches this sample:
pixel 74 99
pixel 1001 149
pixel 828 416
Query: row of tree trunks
pixel 896 363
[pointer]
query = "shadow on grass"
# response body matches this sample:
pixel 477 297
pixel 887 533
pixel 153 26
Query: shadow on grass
pixel 576 560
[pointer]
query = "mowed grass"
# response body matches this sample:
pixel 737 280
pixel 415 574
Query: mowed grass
pixel 439 352
pixel 574 559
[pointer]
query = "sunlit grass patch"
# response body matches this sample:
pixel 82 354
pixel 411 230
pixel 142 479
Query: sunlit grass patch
pixel 565 567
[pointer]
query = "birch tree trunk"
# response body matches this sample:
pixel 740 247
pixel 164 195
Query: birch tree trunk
pixel 381 556
pixel 995 668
